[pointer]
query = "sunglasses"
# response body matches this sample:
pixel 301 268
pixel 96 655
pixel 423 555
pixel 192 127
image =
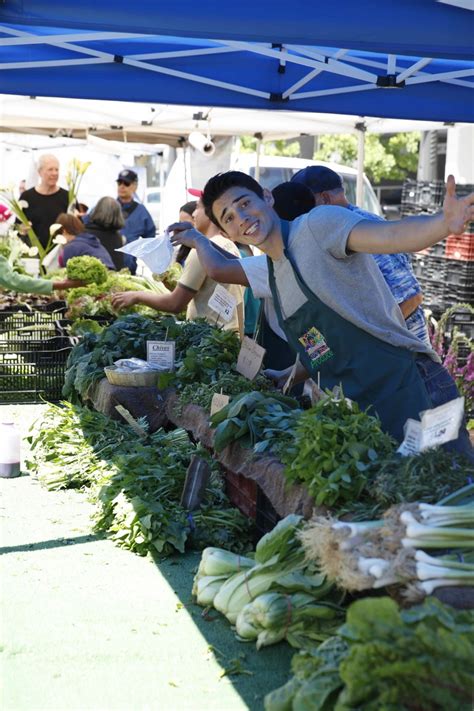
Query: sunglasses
pixel 123 182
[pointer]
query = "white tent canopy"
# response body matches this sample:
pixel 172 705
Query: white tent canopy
pixel 161 123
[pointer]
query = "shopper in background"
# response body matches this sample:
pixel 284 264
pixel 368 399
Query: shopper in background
pixel 186 213
pixel 105 222
pixel 45 201
pixel 328 189
pixel 138 221
pixel 80 242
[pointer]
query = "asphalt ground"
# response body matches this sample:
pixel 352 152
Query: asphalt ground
pixel 88 626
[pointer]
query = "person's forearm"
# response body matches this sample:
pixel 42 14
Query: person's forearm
pixel 160 302
pixel 26 284
pixel 412 234
pixel 219 264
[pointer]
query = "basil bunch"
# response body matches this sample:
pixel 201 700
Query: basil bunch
pixel 333 447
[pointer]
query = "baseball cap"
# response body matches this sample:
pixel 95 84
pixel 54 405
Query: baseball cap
pixel 128 176
pixel 318 178
pixel 195 192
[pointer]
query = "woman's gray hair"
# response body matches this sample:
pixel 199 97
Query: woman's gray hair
pixel 108 214
pixel 45 158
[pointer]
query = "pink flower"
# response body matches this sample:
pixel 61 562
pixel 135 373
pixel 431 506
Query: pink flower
pixel 5 213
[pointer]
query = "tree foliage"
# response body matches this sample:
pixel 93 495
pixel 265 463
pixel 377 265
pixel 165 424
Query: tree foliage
pixel 389 157
pixel 386 157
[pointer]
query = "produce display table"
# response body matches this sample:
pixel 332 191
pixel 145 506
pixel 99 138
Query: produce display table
pixel 266 472
pixel 161 408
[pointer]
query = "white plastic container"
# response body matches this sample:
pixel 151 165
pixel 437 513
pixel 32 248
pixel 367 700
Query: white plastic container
pixel 10 447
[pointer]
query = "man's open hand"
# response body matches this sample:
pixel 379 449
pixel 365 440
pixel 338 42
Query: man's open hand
pixel 458 212
pixel 184 233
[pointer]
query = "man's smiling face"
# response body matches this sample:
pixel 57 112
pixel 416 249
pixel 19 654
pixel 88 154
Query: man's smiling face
pixel 245 217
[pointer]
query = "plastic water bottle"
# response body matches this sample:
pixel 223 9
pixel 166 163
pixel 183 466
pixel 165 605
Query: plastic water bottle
pixel 10 442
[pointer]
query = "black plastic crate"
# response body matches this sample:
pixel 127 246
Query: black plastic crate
pixel 459 272
pixel 30 325
pixel 33 354
pixel 461 294
pixel 435 294
pixel 463 321
pixel 429 194
pixel 32 376
pixel 422 193
pixel 418 263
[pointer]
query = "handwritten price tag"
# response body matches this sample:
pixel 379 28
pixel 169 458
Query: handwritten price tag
pixel 438 425
pixel 160 354
pixel 250 358
pixel 222 302
pixel 218 402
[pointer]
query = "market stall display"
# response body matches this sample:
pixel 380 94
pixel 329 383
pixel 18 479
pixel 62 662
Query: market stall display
pixel 357 518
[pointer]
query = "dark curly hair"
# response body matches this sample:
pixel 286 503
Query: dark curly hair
pixel 218 184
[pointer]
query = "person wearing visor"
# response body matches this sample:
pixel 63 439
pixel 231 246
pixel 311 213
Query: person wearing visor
pixel 328 189
pixel 138 221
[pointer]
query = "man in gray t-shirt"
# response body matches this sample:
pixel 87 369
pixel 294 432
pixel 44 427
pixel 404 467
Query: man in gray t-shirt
pixel 350 283
pixel 329 247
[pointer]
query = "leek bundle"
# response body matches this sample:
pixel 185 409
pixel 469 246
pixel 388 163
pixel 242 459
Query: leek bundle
pixel 391 551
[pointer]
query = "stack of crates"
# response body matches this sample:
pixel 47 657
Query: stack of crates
pixel 445 270
pixel 34 349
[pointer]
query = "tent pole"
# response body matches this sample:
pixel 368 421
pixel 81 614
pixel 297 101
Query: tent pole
pixel 361 129
pixel 258 149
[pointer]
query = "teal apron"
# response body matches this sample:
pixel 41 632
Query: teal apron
pixel 373 373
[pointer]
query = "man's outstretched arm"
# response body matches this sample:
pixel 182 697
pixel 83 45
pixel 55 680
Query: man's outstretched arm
pixel 218 264
pixel 413 234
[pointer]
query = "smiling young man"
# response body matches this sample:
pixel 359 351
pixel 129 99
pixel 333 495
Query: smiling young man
pixel 333 304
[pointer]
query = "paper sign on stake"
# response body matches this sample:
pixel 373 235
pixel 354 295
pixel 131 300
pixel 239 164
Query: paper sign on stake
pixel 161 354
pixel 222 302
pixel 289 383
pixel 128 417
pixel 438 425
pixel 218 402
pixel 313 391
pixel 250 358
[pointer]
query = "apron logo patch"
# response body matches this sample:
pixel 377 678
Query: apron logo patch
pixel 315 346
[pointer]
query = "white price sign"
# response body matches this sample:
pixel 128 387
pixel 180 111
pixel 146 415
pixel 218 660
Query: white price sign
pixel 438 425
pixel 222 302
pixel 250 358
pixel 160 354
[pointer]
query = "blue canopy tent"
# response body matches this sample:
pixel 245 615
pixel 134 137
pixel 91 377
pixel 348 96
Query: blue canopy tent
pixel 427 28
pixel 406 59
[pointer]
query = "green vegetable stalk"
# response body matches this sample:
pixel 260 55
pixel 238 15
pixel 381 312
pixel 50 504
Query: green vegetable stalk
pixel 298 618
